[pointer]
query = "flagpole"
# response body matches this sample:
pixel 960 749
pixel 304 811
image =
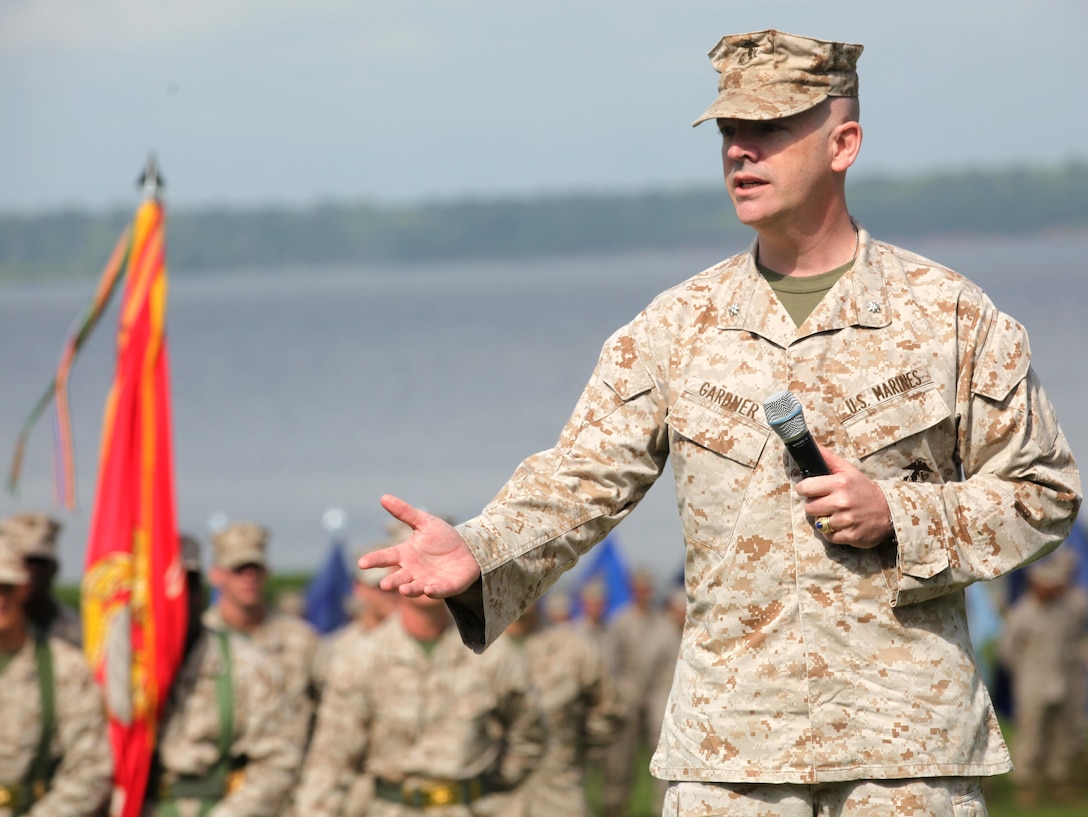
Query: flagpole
pixel 150 180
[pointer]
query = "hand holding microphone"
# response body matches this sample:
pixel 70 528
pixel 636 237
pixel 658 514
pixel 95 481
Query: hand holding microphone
pixel 857 503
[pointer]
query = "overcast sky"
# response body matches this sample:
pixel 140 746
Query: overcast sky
pixel 304 101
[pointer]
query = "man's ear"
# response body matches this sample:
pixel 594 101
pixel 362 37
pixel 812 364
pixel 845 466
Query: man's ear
pixel 845 145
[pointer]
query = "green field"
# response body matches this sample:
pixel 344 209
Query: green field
pixel 1000 799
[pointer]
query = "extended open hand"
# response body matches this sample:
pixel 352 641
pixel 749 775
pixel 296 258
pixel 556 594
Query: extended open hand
pixel 434 561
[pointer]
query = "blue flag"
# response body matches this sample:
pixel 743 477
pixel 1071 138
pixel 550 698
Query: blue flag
pixel 328 593
pixel 1078 540
pixel 609 568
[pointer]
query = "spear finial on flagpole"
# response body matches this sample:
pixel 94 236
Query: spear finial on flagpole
pixel 150 180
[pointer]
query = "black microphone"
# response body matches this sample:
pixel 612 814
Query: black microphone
pixel 784 413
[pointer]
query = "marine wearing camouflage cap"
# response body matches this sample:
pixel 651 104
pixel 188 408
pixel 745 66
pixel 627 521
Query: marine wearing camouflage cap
pixel 822 668
pixel 34 535
pixel 287 641
pixel 54 748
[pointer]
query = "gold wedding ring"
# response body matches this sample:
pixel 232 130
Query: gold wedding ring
pixel 823 524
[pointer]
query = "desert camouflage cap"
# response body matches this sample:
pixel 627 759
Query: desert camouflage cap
pixel 12 566
pixel 1055 570
pixel 771 74
pixel 34 534
pixel 594 590
pixel 240 543
pixel 557 604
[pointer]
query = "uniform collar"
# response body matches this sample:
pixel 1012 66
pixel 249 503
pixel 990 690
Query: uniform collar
pixel 859 298
pixel 399 645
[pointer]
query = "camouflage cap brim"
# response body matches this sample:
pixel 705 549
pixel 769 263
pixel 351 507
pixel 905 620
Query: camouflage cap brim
pixel 236 558
pixel 759 107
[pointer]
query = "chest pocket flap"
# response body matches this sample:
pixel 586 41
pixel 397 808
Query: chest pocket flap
pixel 718 429
pixel 897 418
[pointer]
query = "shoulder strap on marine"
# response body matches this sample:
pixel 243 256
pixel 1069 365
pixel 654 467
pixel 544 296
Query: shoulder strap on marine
pixel 224 698
pixel 41 769
pixel 224 695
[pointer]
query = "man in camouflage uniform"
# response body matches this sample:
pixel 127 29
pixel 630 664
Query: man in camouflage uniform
pixel 825 663
pixel 662 650
pixel 55 756
pixel 593 624
pixel 240 573
pixel 632 631
pixel 35 534
pixel 582 708
pixel 371 606
pixel 557 607
pixel 228 744
pixel 413 724
pixel 1040 645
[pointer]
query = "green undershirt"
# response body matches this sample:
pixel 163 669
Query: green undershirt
pixel 428 644
pixel 800 294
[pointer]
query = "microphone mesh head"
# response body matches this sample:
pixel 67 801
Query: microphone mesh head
pixel 784 413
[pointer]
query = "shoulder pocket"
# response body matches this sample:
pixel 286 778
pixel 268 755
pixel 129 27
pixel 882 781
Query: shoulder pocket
pixel 620 376
pixel 622 370
pixel 1003 361
pixel 896 418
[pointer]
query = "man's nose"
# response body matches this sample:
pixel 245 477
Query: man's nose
pixel 739 149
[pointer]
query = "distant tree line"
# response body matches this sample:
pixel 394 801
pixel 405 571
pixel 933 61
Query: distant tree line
pixel 979 202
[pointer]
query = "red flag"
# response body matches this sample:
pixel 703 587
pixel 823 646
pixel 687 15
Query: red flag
pixel 133 592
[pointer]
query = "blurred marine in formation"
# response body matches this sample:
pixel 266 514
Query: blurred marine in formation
pixel 54 748
pixel 35 535
pixel 593 622
pixel 1041 647
pixel 664 650
pixel 229 746
pixel 633 632
pixel 411 722
pixel 370 607
pixel 240 573
pixel 582 708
